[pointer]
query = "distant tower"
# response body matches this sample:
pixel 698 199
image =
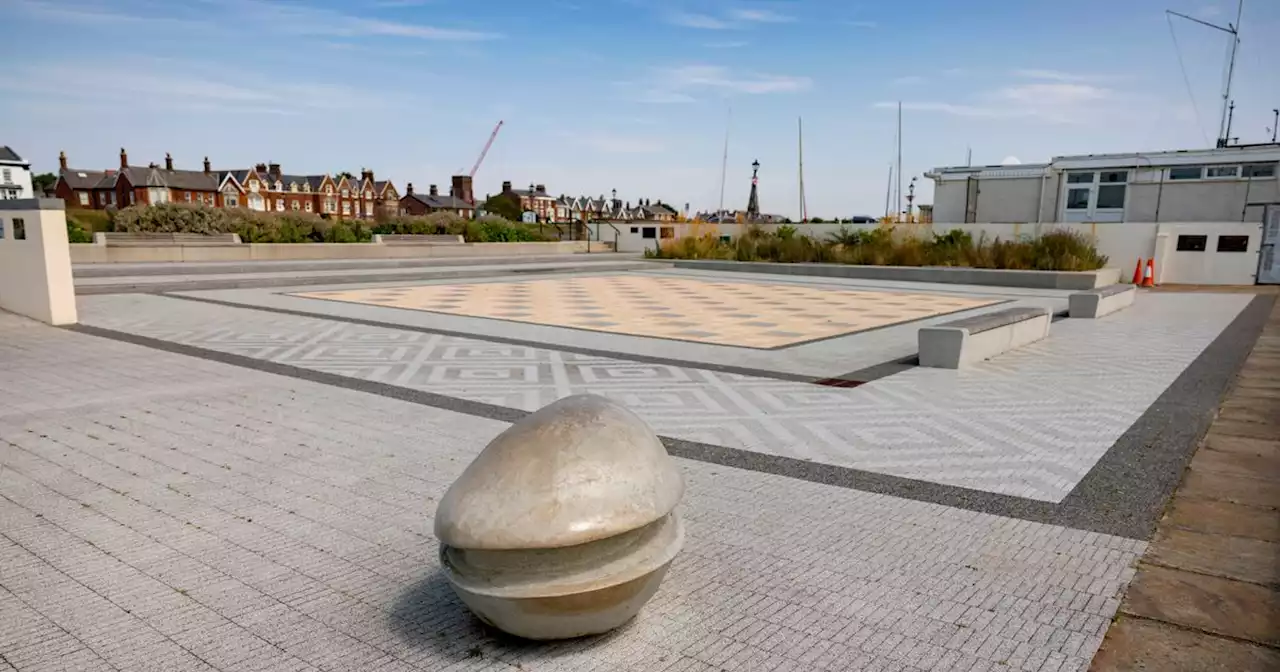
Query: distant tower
pixel 753 203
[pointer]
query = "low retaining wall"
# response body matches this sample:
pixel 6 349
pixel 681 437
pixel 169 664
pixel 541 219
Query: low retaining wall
pixel 945 275
pixel 89 253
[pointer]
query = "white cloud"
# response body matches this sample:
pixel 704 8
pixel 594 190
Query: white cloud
pixel 760 16
pixel 1052 102
pixel 306 20
pixel 1059 76
pixel 863 24
pixel 95 14
pixel 176 85
pixel 660 97
pixel 703 21
pixel 1010 161
pixel 718 77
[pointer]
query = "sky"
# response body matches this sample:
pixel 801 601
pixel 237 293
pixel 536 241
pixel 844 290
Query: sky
pixel 632 95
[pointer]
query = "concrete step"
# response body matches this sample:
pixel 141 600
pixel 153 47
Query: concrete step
pixel 226 267
pixel 183 283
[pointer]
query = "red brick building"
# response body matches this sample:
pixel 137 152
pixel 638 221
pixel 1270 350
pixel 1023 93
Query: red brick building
pixel 264 188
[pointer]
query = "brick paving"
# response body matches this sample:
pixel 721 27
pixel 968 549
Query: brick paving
pixel 164 512
pixel 1207 593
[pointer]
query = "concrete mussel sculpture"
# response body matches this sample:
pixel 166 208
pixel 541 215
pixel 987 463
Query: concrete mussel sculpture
pixel 565 524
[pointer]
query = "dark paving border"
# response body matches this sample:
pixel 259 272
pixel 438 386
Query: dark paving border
pixel 861 375
pixel 1122 495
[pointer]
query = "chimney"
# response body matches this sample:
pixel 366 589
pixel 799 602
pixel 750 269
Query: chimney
pixel 367 174
pixel 408 189
pixel 274 169
pixel 261 168
pixel 168 161
pixel 208 168
pixel 506 186
pixel 462 188
pixel 432 191
pixel 124 159
pixel 542 188
pixel 62 160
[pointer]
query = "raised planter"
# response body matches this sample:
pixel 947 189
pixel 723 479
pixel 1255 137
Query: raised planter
pixel 90 253
pixel 1078 280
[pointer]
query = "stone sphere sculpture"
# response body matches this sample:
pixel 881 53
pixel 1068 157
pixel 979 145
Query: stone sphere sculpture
pixel 564 525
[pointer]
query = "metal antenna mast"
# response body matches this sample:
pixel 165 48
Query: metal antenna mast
pixel 1224 124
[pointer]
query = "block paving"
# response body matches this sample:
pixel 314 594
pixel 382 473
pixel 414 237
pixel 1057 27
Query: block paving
pixel 163 512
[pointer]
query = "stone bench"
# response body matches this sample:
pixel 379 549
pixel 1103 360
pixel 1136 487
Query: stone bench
pixel 121 239
pixel 422 239
pixel 952 345
pixel 1096 303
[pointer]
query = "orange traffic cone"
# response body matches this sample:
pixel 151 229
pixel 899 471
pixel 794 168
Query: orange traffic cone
pixel 1137 272
pixel 1149 279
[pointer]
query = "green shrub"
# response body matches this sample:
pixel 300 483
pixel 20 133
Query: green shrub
pixel 75 234
pixel 1053 251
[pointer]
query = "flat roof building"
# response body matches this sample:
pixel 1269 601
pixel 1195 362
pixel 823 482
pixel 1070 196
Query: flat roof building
pixel 1228 184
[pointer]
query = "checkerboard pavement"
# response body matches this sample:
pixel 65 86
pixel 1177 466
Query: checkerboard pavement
pixel 723 312
pixel 159 512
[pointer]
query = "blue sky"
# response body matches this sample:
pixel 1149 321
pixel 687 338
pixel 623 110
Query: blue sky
pixel 625 94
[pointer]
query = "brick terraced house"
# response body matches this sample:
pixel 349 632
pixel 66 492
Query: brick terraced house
pixel 263 188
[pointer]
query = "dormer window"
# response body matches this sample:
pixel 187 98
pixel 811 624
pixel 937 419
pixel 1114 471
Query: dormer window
pixel 328 189
pixel 279 186
pixel 307 187
pixel 346 193
pixel 293 186
pixel 253 185
pixel 368 194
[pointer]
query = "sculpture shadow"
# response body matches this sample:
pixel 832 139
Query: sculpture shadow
pixel 429 615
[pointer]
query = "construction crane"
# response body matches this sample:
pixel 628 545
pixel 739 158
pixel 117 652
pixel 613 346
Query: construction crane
pixel 484 152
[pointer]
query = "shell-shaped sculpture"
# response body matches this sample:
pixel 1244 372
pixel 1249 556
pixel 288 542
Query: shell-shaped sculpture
pixel 564 525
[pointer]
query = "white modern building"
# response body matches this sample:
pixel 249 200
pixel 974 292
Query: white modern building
pixel 1230 184
pixel 15 176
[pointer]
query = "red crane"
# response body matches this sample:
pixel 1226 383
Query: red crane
pixel 484 152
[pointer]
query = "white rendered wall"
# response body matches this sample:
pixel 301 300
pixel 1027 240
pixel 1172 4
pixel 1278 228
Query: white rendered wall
pixel 35 272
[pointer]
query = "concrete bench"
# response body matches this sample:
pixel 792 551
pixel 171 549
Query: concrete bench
pixel 1096 303
pixel 411 239
pixel 952 345
pixel 120 239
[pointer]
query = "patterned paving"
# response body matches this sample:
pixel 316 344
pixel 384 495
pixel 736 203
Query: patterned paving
pixel 754 315
pixel 204 517
pixel 1031 423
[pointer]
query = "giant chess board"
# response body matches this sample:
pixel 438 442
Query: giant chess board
pixel 742 314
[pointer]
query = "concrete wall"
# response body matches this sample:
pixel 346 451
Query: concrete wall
pixel 1200 200
pixel 1148 199
pixel 35 271
pixel 86 253
pixel 949 201
pixel 1124 243
pixel 1209 267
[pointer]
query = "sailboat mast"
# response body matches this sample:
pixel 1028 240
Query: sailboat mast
pixel 888 191
pixel 724 160
pixel 804 211
pixel 897 204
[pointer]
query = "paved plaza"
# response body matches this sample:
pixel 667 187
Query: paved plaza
pixel 244 479
pixel 752 315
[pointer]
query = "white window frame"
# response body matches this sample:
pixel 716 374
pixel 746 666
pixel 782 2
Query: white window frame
pixel 346 207
pixel 308 207
pixel 279 185
pixel 230 201
pixel 368 208
pixel 1093 213
pixel 1234 174
pixel 8 176
pixel 346 193
pixel 293 205
pixel 279 205
pixel 84 198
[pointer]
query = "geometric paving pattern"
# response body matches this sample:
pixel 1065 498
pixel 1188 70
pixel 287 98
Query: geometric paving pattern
pixel 1030 423
pixel 752 315
pixel 211 518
